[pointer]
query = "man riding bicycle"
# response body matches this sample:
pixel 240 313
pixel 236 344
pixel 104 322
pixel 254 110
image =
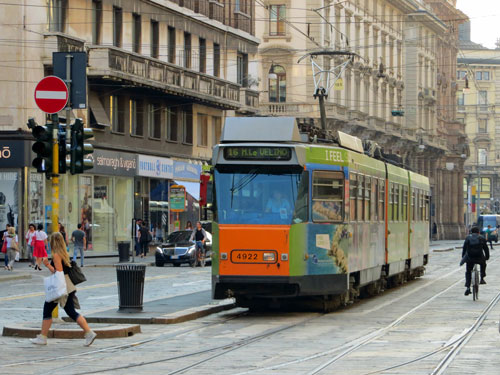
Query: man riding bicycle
pixel 199 236
pixel 475 251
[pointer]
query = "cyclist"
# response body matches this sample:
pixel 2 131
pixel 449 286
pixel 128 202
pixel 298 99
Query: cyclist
pixel 475 251
pixel 199 236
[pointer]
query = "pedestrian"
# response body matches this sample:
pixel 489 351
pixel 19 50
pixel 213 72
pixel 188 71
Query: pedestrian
pixel 4 249
pixel 159 233
pixel 489 235
pixel 474 251
pixel 60 262
pixel 12 247
pixel 64 234
pixel 144 239
pixel 39 250
pixel 138 225
pixel 30 243
pixel 189 225
pixel 79 243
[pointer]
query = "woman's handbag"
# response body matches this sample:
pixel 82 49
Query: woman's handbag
pixel 75 274
pixel 55 286
pixel 14 245
pixel 4 247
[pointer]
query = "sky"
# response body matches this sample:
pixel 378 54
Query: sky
pixel 485 20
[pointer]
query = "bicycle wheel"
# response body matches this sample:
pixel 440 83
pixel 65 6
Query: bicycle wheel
pixel 202 259
pixel 193 261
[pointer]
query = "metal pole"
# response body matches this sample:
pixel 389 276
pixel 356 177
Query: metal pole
pixel 478 193
pixel 68 106
pixel 322 110
pixel 55 185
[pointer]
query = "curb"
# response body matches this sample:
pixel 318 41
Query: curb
pixel 113 265
pixel 174 318
pixel 76 333
pixel 15 277
pixel 443 250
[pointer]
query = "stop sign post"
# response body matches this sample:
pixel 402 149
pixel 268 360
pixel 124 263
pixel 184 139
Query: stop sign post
pixel 51 94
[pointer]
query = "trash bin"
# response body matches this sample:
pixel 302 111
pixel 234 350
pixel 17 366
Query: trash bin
pixel 124 251
pixel 130 286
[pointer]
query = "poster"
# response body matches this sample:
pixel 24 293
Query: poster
pixel 9 199
pixel 86 207
pixel 36 198
pixel 177 198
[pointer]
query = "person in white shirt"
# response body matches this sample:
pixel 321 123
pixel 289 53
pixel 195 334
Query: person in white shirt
pixel 30 242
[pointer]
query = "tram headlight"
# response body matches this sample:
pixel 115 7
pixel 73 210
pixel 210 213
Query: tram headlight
pixel 223 256
pixel 269 257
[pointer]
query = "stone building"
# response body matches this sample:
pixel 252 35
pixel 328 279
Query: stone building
pixel 162 75
pixel 406 59
pixel 478 75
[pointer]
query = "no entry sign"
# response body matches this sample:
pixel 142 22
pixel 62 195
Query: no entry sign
pixel 51 94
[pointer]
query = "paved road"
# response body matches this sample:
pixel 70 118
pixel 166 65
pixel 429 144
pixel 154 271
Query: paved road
pixel 416 325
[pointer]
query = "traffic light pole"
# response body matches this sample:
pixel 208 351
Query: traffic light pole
pixel 55 173
pixel 68 105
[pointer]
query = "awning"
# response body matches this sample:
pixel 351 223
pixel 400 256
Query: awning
pixel 98 116
pixel 192 188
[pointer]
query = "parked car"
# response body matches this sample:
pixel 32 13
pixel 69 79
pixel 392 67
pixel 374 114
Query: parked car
pixel 177 249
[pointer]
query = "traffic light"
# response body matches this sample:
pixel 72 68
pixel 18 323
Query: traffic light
pixel 43 148
pixel 79 149
pixel 63 149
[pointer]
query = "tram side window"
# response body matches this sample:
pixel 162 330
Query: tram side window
pixel 413 207
pixel 391 202
pixel 405 204
pixel 397 199
pixel 427 204
pixel 300 213
pixel 422 206
pixel 381 200
pixel 375 195
pixel 328 196
pixel 353 185
pixel 368 194
pixel 360 208
pixel 417 204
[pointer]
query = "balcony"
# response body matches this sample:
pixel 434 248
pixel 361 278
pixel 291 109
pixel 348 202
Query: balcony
pixel 60 42
pixel 249 100
pixel 216 11
pixel 115 64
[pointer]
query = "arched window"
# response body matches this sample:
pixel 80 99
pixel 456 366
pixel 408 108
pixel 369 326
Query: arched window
pixel 277 84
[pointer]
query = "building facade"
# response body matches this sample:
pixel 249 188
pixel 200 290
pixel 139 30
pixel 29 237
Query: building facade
pixel 405 63
pixel 478 75
pixel 161 77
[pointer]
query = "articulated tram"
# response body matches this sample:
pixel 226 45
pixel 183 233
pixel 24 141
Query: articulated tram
pixel 294 219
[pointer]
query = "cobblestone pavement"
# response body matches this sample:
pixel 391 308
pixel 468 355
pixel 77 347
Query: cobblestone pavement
pixel 410 329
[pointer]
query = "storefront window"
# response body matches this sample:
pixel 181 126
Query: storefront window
pixel 158 208
pixel 123 208
pixel 9 199
pixel 85 193
pixel 36 198
pixel 102 214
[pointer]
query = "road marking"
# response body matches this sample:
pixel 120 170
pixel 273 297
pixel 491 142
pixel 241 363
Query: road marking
pixel 96 286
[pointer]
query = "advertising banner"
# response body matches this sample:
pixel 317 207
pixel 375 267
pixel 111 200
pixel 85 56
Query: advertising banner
pixel 177 198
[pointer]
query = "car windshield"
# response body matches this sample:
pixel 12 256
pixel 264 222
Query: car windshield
pixel 489 220
pixel 179 236
pixel 256 195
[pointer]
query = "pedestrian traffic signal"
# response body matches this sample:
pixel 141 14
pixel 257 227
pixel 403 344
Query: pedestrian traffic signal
pixel 43 148
pixel 79 149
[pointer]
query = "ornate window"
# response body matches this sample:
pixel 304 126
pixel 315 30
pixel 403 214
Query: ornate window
pixel 277 84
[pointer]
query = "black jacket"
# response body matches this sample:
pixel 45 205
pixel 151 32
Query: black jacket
pixel 478 243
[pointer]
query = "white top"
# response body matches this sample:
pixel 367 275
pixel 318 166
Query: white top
pixel 29 237
pixel 9 240
pixel 40 235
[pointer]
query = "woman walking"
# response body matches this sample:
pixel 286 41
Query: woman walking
pixel 4 248
pixel 30 242
pixel 39 250
pixel 12 247
pixel 61 262
pixel 64 234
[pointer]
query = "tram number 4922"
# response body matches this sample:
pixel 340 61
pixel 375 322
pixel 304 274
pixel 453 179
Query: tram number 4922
pixel 246 256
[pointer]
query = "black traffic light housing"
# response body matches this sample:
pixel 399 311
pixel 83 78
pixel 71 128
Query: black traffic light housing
pixel 79 149
pixel 43 147
pixel 63 149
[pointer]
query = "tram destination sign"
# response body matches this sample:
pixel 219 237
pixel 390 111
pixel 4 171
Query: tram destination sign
pixel 262 153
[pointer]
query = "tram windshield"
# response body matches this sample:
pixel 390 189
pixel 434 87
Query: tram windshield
pixel 256 195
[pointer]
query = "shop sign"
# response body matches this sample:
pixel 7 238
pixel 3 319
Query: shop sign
pixel 113 163
pixel 186 171
pixel 12 153
pixel 154 166
pixel 177 198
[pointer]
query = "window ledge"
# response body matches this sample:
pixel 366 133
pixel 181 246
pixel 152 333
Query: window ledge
pixel 268 37
pixel 172 141
pixel 187 144
pixel 117 132
pixel 154 139
pixel 136 136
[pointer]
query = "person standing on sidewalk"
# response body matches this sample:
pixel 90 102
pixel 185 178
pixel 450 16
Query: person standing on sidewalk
pixel 138 225
pixel 144 239
pixel 61 262
pixel 39 251
pixel 30 243
pixel 64 234
pixel 79 243
pixel 12 247
pixel 489 236
pixel 5 256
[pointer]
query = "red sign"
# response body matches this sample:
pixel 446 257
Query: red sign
pixel 51 94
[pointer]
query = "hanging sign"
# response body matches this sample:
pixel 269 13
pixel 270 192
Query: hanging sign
pixel 177 199
pixel 339 85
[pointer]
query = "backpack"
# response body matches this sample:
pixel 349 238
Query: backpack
pixel 475 247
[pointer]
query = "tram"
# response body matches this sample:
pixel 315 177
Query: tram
pixel 294 218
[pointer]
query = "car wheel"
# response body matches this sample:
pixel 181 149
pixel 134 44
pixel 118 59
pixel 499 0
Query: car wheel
pixel 177 264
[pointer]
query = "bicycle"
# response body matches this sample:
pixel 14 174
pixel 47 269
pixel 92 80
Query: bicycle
pixel 199 256
pixel 475 283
